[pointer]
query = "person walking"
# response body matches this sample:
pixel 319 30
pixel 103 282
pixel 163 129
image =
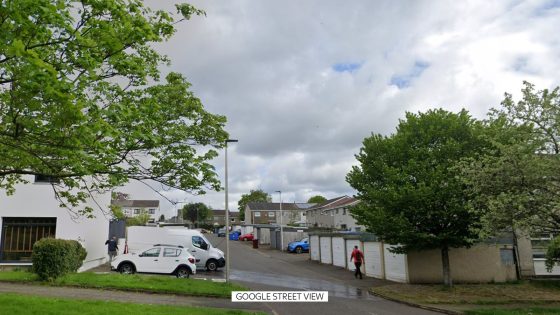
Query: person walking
pixel 358 258
pixel 112 247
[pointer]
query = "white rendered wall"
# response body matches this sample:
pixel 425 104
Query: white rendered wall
pixel 37 200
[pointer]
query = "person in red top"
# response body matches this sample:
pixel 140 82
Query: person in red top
pixel 358 257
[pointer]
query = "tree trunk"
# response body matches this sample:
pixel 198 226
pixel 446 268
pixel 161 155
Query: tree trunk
pixel 446 269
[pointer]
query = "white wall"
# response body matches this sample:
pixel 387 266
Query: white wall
pixel 395 265
pixel 339 252
pixel 37 200
pixel 314 249
pixel 540 268
pixel 373 258
pixel 349 248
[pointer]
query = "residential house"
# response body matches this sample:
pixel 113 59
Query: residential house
pixel 334 214
pixel 33 213
pixel 218 218
pixel 269 213
pixel 132 208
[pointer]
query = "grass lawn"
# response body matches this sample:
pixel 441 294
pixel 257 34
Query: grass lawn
pixel 526 292
pixel 16 304
pixel 516 311
pixel 136 282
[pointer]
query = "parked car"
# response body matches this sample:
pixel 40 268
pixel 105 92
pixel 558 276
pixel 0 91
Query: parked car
pixel 299 246
pixel 206 255
pixel 167 259
pixel 222 232
pixel 247 237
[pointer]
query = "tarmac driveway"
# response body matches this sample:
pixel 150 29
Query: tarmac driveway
pixel 272 270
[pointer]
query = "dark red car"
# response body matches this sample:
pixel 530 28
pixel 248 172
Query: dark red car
pixel 246 237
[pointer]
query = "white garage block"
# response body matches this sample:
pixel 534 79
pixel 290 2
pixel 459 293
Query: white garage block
pixel 314 248
pixel 395 266
pixel 339 252
pixel 326 249
pixel 373 259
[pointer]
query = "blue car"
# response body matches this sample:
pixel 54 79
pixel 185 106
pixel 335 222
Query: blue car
pixel 299 246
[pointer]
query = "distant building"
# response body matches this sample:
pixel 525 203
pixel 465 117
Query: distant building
pixel 269 213
pixel 133 208
pixel 334 214
pixel 218 217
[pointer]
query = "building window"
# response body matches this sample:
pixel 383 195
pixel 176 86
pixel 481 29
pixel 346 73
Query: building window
pixel 136 211
pixel 343 226
pixel 257 214
pixel 46 179
pixel 344 211
pixel 232 219
pixel 271 214
pixel 19 235
pixel 152 211
pixel 336 211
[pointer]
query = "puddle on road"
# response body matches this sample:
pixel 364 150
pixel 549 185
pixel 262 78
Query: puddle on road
pixel 338 290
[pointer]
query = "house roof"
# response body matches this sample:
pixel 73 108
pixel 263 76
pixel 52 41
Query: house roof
pixel 136 203
pixel 334 203
pixel 275 206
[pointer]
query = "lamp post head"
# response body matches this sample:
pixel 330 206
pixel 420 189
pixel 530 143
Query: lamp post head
pixel 231 140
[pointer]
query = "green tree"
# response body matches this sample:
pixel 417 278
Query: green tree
pixel 195 212
pixel 161 218
pixel 317 199
pixel 408 188
pixel 253 196
pixel 83 102
pixel 141 219
pixel 517 182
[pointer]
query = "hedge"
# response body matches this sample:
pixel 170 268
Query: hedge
pixel 53 258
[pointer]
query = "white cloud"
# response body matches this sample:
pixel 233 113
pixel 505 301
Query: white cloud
pixel 268 66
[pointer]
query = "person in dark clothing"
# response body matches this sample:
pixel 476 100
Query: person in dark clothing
pixel 358 258
pixel 112 247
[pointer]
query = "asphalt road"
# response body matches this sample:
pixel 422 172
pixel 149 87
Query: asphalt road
pixel 270 270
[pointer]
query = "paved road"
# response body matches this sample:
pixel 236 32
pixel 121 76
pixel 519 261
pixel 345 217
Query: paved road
pixel 271 270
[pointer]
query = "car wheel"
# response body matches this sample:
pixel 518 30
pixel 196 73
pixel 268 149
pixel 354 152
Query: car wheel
pixel 126 268
pixel 183 272
pixel 212 265
pixel 299 250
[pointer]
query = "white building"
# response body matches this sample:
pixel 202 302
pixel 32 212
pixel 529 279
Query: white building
pixel 334 214
pixel 132 208
pixel 33 213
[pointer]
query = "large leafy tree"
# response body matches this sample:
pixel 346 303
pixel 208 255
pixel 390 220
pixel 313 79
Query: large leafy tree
pixel 317 199
pixel 518 183
pixel 408 188
pixel 253 196
pixel 195 212
pixel 82 102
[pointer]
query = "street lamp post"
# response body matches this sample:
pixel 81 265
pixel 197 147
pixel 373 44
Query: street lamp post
pixel 227 212
pixel 281 223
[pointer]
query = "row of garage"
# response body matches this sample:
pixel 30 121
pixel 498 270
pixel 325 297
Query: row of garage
pixel 484 262
pixel 379 262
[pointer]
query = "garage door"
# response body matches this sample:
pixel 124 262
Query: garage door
pixel 314 247
pixel 372 257
pixel 395 266
pixel 349 247
pixel 339 252
pixel 326 254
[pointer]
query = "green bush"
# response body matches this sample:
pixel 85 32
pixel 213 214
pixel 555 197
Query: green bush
pixel 552 254
pixel 53 258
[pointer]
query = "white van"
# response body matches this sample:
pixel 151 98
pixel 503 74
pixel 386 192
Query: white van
pixel 207 256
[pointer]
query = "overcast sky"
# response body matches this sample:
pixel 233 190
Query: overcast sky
pixel 302 83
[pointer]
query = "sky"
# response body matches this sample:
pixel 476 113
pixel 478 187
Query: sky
pixel 302 83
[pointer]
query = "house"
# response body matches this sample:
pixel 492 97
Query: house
pixel 132 208
pixel 218 218
pixel 334 214
pixel 33 213
pixel 269 213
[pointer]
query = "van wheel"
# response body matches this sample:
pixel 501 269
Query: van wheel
pixel 212 265
pixel 299 250
pixel 126 268
pixel 183 272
